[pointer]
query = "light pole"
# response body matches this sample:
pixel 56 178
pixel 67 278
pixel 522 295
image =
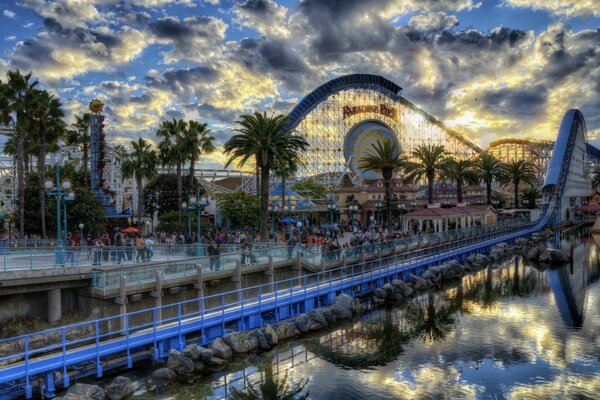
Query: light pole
pixel 353 210
pixel 401 210
pixel 60 191
pixel 273 210
pixel 199 206
pixel 299 226
pixel 378 207
pixel 81 230
pixel 68 199
pixel 290 209
pixel 332 207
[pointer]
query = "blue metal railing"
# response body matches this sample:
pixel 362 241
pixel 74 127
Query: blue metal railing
pixel 210 315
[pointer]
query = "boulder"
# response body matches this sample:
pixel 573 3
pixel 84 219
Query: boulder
pixel 317 316
pixel 183 366
pixel 198 366
pixel 205 354
pixel 397 283
pixel 93 392
pixel 397 296
pixel 215 364
pixel 421 284
pixel 270 335
pixel 344 301
pixel 285 330
pixel 241 342
pixel 329 315
pixel 554 256
pixel 120 388
pixel 192 351
pixel 164 375
pixel 341 312
pixel 220 348
pixel 263 344
pixel 407 291
pixel 380 293
pixel 429 274
pixel 533 253
pixel 302 323
pixel 388 288
pixel 71 396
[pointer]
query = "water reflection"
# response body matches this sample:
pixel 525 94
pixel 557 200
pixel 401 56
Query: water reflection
pixel 515 331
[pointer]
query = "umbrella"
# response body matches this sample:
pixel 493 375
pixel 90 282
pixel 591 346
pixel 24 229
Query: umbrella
pixel 288 220
pixel 130 229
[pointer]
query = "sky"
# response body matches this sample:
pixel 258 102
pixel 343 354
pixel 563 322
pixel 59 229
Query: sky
pixel 490 69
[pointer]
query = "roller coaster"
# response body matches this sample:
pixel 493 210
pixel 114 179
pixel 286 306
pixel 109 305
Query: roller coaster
pixel 30 368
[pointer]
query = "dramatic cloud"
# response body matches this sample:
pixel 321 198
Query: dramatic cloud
pixel 60 52
pixel 155 59
pixel 194 38
pixel 433 21
pixel 567 8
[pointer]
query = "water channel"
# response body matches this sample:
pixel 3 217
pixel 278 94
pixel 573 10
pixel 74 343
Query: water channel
pixel 513 331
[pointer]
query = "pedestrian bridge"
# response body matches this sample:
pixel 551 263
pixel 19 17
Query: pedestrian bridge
pixel 41 361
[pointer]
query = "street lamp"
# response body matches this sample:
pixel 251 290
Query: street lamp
pixel 378 207
pixel 401 210
pixel 299 226
pixel 61 192
pixel 81 230
pixel 353 208
pixel 332 207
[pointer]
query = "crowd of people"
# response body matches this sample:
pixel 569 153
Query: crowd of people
pixel 332 242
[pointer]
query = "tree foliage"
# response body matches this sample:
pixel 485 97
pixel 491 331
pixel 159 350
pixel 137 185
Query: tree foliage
pixel 310 190
pixel 240 208
pixel 160 194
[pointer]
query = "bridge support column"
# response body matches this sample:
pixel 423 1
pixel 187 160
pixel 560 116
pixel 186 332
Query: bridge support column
pixel 54 306
pixel 199 285
pixel 298 269
pixel 122 302
pixel 270 272
pixel 157 294
pixel 237 278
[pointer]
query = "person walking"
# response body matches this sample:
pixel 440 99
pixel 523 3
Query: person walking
pixel 149 247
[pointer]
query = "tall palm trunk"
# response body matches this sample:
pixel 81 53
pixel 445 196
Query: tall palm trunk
pixel 41 164
pixel 191 177
pixel 138 183
pixel 387 176
pixel 430 177
pixel 264 202
pixel 459 191
pixel 20 156
pixel 282 192
pixel 179 189
pixel 488 188
pixel 517 194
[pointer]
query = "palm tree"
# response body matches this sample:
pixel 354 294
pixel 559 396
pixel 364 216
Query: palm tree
pixel 141 164
pixel 460 172
pixel 13 97
pixel 198 141
pixel 284 170
pixel 172 150
pixel 530 195
pixel 431 159
pixel 519 171
pixel 46 114
pixel 80 136
pixel 489 168
pixel 384 157
pixel 266 139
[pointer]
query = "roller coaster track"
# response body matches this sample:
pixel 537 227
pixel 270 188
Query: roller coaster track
pixel 41 368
